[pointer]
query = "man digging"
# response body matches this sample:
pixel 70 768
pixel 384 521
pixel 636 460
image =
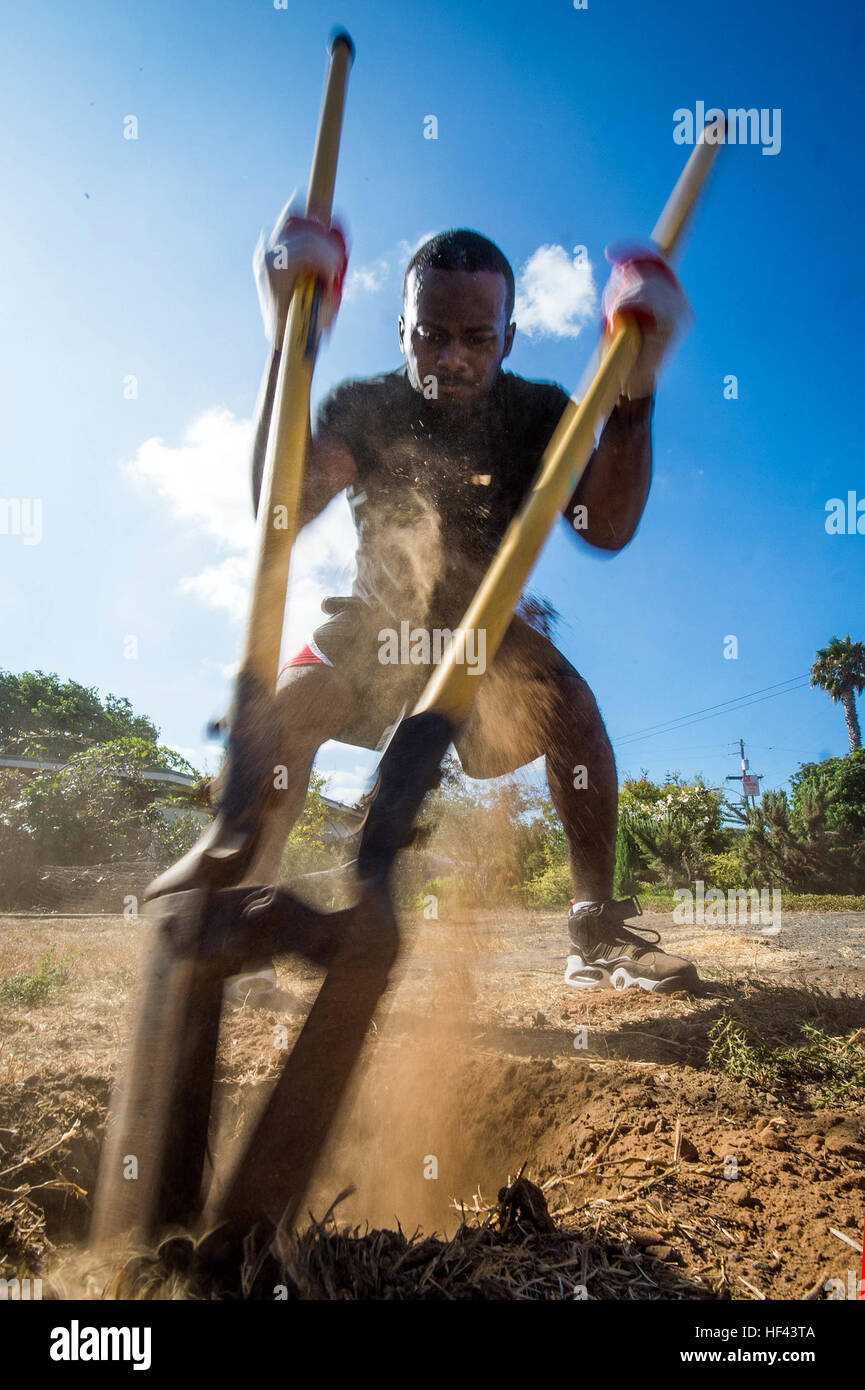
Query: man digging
pixel 437 457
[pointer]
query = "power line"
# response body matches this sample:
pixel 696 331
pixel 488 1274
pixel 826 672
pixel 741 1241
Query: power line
pixel 734 700
pixel 717 714
pixel 683 721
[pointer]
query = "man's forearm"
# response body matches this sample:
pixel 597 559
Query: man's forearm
pixel 614 488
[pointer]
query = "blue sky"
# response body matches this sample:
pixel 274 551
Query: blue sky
pixel 132 258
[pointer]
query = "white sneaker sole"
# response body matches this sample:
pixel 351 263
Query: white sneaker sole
pixel 595 977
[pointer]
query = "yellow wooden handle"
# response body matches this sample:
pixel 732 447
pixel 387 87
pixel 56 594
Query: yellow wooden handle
pixel 282 477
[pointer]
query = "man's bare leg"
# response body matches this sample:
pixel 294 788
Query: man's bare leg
pixel 582 778
pixel 313 704
pixel 520 709
pixel 581 774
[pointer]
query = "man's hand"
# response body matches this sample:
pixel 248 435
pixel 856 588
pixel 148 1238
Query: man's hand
pixel 641 283
pixel 298 245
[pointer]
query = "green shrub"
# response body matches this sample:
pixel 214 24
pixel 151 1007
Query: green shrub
pixel 552 888
pixel 672 826
pixel 724 871
pixel 824 1070
pixel 450 890
pixel 822 902
pixel 49 974
pixel 630 864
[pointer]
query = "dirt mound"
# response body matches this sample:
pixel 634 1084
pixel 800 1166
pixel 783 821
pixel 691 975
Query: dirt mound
pixel 727 1194
pixel 734 1187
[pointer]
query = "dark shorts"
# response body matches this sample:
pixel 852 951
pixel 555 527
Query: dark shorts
pixel 524 697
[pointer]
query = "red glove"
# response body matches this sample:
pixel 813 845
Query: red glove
pixel 299 245
pixel 641 283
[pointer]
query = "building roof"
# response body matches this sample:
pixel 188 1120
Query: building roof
pixel 150 774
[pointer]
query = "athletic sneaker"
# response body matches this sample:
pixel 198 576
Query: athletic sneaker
pixel 611 956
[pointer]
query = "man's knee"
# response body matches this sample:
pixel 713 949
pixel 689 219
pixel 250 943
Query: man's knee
pixel 576 737
pixel 577 704
pixel 313 703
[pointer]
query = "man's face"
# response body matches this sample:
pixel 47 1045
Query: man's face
pixel 454 333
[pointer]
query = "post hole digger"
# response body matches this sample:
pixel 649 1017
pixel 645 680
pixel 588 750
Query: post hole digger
pixel 206 923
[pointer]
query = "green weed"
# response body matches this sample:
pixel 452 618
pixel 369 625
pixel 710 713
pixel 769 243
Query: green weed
pixel 50 974
pixel 822 1070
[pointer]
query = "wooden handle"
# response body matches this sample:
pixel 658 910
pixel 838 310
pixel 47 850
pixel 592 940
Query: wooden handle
pixel 282 478
pixel 319 199
pixel 667 232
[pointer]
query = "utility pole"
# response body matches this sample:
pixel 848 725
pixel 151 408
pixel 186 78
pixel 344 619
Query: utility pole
pixel 750 780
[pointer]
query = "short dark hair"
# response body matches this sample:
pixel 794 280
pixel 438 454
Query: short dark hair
pixel 461 249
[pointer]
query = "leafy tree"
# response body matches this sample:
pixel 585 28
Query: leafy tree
pixel 839 669
pixel 672 826
pixel 170 838
pixel 802 853
pixel 307 849
pixel 842 783
pixel 99 806
pixel 630 863
pixel 44 717
pixel 497 837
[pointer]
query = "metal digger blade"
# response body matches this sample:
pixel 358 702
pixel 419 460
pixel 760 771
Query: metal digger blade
pixel 153 1164
pixel 273 1169
pixel 153 1158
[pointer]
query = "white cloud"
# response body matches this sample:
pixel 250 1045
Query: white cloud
pixel 204 480
pixel 344 784
pixel 338 789
pixel 322 563
pixel 555 293
pixel 204 483
pixel 223 586
pixel 366 279
pixel 369 279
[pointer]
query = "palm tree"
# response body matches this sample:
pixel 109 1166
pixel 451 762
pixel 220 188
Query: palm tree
pixel 839 669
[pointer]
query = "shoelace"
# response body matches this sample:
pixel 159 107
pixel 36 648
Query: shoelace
pixel 625 934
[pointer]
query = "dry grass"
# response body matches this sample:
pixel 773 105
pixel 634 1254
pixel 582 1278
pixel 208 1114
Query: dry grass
pixel 512 1251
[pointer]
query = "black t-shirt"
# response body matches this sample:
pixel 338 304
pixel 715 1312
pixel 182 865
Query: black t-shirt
pixel 434 494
